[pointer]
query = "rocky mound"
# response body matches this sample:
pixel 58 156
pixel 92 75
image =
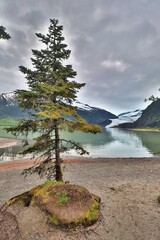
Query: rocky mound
pixel 51 204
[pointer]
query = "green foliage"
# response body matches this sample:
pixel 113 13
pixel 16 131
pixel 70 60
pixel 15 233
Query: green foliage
pixel 152 98
pixel 62 197
pixel 53 219
pixel 92 213
pixel 3 33
pixel 25 198
pixel 49 101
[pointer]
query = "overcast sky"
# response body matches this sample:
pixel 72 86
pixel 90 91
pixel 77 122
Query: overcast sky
pixel 115 46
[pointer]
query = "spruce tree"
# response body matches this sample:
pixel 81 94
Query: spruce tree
pixel 51 92
pixel 3 33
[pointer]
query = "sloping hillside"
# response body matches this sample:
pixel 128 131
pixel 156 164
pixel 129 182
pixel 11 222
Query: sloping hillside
pixel 94 115
pixel 149 118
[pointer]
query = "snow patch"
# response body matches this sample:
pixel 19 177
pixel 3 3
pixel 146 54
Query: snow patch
pixel 82 106
pixel 9 97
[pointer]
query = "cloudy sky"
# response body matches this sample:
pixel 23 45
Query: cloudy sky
pixel 115 46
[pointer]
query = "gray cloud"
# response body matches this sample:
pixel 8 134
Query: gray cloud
pixel 115 46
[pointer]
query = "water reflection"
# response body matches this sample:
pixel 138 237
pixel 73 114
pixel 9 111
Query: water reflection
pixel 105 137
pixel 10 153
pixel 110 143
pixel 124 144
pixel 150 140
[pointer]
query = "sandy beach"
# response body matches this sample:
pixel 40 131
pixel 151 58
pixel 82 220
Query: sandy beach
pixel 8 142
pixel 128 188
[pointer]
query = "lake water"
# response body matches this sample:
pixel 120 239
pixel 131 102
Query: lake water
pixel 111 142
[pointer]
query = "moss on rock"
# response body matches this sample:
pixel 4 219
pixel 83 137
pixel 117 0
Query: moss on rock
pixel 64 204
pixel 25 198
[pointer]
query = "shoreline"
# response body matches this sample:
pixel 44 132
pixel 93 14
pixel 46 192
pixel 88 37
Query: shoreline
pixel 28 162
pixel 25 162
pixel 9 142
pixel 144 129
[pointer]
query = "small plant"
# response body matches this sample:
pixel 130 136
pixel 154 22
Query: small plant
pixel 53 192
pixel 62 197
pixel 158 199
pixel 53 219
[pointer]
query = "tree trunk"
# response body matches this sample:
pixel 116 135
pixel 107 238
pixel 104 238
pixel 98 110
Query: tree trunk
pixel 58 170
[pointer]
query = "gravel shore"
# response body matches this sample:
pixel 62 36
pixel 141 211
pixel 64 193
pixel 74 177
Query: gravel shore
pixel 128 188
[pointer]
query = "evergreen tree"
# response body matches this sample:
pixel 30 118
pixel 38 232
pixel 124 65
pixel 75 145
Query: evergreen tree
pixel 152 98
pixel 3 33
pixel 49 99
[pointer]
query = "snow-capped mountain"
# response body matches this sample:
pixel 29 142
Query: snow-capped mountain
pixel 131 116
pixel 9 108
pixel 82 106
pixel 126 117
pixel 7 99
pixel 94 115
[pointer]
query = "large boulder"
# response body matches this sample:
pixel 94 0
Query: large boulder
pixel 51 204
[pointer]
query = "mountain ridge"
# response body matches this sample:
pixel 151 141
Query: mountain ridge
pixel 9 108
pixel 149 118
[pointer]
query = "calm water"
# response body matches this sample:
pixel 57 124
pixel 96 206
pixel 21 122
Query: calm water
pixel 110 143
